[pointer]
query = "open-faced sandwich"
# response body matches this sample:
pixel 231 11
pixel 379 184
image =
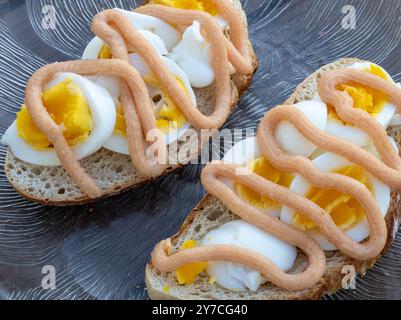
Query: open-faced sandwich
pixel 316 190
pixel 153 76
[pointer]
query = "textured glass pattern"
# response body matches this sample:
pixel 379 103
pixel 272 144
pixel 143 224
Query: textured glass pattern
pixel 100 250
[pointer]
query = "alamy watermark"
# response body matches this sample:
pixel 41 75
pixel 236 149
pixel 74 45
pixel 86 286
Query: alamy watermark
pixel 49 20
pixel 348 282
pixel 49 279
pixel 349 20
pixel 198 146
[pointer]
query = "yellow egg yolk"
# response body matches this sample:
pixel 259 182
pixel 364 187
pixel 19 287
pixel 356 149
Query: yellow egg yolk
pixel 105 52
pixel 169 116
pixel 188 273
pixel 121 126
pixel 201 5
pixel 67 106
pixel 344 209
pixel 262 167
pixel 365 98
pixel 166 288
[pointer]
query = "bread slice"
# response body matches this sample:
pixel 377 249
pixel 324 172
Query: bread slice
pixel 211 213
pixel 112 172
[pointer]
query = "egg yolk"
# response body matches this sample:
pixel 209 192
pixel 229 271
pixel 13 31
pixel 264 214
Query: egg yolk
pixel 365 98
pixel 167 117
pixel 262 167
pixel 105 52
pixel 188 273
pixel 121 126
pixel 67 106
pixel 170 116
pixel 344 209
pixel 166 288
pixel 201 5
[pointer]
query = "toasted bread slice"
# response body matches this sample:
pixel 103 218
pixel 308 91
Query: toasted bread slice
pixel 112 172
pixel 211 213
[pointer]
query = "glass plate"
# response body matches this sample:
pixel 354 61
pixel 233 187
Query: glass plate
pixel 99 251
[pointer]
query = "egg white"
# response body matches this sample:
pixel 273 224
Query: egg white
pixel 165 31
pixel 291 140
pixel 329 162
pixel 223 24
pixel 287 136
pixel 193 55
pixel 242 234
pixel 92 52
pixel 94 47
pixel 353 133
pixel 396 119
pixel 103 114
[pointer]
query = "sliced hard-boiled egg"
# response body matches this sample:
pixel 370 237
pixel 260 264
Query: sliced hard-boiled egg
pixel 165 31
pixel 372 149
pixel 372 101
pixel 346 211
pixel 86 111
pixel 188 273
pixel 246 153
pixel 242 234
pixel 97 49
pixel 169 118
pixel 201 5
pixel 291 140
pixel 193 55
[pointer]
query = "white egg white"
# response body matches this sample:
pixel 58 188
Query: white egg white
pixel 372 149
pixel 291 140
pixel 353 133
pixel 223 24
pixel 243 152
pixel 287 136
pixel 93 49
pixel 103 114
pixel 193 55
pixel 330 162
pixel 165 31
pixel 242 234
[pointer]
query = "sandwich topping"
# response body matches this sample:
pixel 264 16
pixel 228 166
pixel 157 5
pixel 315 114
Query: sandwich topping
pixel 132 51
pixel 350 189
pixel 66 104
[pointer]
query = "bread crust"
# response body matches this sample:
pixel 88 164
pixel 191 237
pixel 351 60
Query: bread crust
pixel 239 83
pixel 331 281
